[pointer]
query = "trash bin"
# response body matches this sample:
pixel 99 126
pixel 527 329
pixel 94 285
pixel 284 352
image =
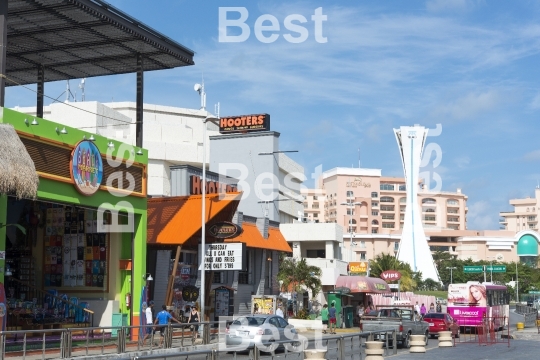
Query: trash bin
pixel 348 316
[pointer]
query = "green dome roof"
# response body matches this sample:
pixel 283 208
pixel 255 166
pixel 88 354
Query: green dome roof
pixel 527 246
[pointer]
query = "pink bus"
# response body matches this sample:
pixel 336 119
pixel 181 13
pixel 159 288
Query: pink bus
pixel 470 303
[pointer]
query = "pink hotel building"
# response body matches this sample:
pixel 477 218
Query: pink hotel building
pixel 374 206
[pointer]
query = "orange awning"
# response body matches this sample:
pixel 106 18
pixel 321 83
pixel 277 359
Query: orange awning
pixel 252 237
pixel 175 220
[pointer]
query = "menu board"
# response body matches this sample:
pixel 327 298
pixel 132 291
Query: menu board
pixel 75 255
pixel 222 302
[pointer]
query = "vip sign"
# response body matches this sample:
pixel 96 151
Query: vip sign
pixel 391 275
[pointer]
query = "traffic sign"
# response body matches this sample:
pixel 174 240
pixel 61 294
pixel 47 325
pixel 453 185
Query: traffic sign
pixel 473 269
pixel 496 268
pixel 534 292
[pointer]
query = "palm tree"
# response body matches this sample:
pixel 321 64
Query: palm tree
pixel 383 262
pixel 298 276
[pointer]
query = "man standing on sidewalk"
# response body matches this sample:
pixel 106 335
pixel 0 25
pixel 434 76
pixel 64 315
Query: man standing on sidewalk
pixel 332 318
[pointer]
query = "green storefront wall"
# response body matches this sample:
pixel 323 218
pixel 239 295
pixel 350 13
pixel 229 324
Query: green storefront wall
pixel 63 192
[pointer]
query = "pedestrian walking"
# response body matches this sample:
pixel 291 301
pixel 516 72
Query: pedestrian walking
pixel 279 311
pixel 423 310
pixel 162 320
pixel 439 306
pixel 194 318
pixel 149 329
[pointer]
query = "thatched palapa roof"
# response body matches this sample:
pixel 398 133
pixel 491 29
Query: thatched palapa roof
pixel 18 175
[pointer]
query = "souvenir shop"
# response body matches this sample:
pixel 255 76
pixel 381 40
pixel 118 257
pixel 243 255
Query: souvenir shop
pixel 80 260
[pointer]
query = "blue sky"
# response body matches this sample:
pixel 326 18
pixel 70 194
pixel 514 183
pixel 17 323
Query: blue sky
pixel 470 65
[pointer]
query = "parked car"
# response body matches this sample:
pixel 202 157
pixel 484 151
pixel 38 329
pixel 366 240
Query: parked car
pixel 441 322
pixel 398 317
pixel 260 330
pixel 441 300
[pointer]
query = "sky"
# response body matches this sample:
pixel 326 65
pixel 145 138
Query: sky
pixel 471 66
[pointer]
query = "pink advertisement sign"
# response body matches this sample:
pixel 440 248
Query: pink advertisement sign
pixel 467 295
pixel 467 315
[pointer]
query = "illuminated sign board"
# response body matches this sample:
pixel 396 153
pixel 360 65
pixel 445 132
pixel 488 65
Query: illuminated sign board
pixel 86 167
pixel 244 123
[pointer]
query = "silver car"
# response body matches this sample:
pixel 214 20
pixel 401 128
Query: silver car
pixel 260 330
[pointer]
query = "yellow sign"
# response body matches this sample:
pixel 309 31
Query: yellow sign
pixel 263 306
pixel 358 267
pixel 357 182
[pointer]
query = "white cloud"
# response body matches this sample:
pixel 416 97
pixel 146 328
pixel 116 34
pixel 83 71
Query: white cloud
pixel 532 156
pixel 469 106
pixel 535 103
pixel 448 5
pixel 482 216
pixel 462 161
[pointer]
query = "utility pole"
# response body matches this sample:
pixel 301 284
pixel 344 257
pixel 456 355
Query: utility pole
pixel 451 268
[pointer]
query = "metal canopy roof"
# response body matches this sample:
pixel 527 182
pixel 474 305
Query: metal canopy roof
pixel 82 38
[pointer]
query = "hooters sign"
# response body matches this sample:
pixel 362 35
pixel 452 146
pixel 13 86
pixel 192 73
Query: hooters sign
pixel 391 275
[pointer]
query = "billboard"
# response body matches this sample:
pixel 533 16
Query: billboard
pixel 467 295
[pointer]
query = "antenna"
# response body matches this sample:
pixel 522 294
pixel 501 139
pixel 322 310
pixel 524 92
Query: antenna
pixel 68 91
pixel 359 158
pixel 81 86
pixel 216 110
pixel 200 89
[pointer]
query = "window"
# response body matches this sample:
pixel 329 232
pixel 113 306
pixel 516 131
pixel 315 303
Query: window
pixel 352 221
pixel 387 208
pixel 401 217
pixel 388 225
pixel 315 197
pixel 432 210
pixel 387 187
pixel 362 244
pixel 374 222
pixel 396 246
pixel 313 254
pixel 387 199
pixel 362 256
pixel 402 188
pixel 315 206
pixel 402 208
pixel 453 227
pixel 350 193
pixel 374 213
pixel 245 277
pixel 374 204
pixel 429 218
pixel 452 211
pixel 350 212
pixel 388 216
pixel 531 218
pixel 374 195
pixel 453 219
pixel 403 200
pixel 452 202
pixel 218 277
pixel 374 231
pixel 532 226
pixel 429 201
pixel 315 215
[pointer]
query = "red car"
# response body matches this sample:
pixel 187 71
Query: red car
pixel 441 322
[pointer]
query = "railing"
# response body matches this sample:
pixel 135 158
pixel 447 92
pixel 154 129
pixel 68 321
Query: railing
pixel 525 309
pixel 96 341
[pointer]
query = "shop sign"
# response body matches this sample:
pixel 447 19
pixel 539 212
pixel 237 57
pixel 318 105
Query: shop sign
pixel 224 256
pixel 212 187
pixel 380 286
pixel 224 230
pixel 190 293
pixel 358 267
pixel 86 167
pixel 244 123
pixel 343 290
pixel 362 285
pixel 391 275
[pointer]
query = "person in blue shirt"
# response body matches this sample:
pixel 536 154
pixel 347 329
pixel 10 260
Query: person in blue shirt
pixel 332 318
pixel 162 319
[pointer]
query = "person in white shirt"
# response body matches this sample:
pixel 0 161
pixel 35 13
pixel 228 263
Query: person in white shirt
pixel 417 308
pixel 279 311
pixel 149 321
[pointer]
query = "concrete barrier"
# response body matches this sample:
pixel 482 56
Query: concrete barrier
pixel 374 350
pixel 418 344
pixel 300 324
pixel 314 354
pixel 445 339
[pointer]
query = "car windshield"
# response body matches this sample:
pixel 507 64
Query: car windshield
pixel 434 316
pixel 249 321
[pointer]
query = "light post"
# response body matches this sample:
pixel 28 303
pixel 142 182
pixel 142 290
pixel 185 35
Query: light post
pixel 451 277
pixel 209 118
pixel 517 284
pixel 491 262
pixel 350 206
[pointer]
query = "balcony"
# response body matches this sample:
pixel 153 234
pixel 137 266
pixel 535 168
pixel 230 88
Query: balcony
pixel 503 221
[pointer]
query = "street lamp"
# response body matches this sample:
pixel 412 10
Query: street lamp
pixel 451 277
pixel 209 118
pixel 351 206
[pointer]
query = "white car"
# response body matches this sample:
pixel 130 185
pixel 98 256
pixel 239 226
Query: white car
pixel 260 330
